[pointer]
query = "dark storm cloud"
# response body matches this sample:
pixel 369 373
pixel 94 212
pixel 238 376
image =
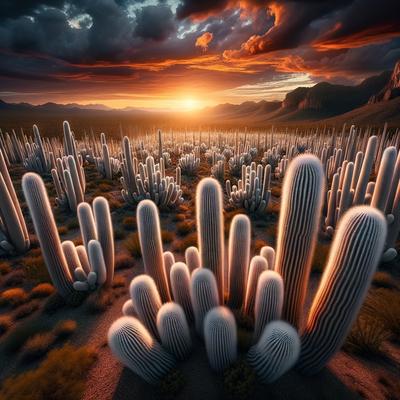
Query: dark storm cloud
pixel 201 8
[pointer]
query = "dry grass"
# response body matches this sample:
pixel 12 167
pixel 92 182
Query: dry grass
pixel 13 297
pixel 62 230
pixel 167 236
pixel 100 300
pixel 53 303
pixel 5 268
pixel 132 244
pixel 184 227
pixel 179 217
pixel 384 280
pixel 35 269
pixel 14 278
pixel 183 244
pixel 129 223
pixel 64 329
pixel 258 244
pixel 37 346
pixel 119 281
pixel 26 309
pixel 123 261
pixel 42 290
pixel 61 376
pixel 5 324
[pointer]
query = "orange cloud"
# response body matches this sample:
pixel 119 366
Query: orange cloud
pixel 204 40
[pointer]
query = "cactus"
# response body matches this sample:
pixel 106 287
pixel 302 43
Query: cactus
pixel 146 301
pixel 151 246
pixel 174 330
pixel 218 170
pixel 276 352
pixel 192 258
pixel 128 309
pixel 203 294
pixel 133 345
pixel 169 261
pixel 239 253
pixel 220 337
pixel 46 231
pixel 180 288
pixel 189 164
pixel 106 165
pixel 258 265
pixel 269 300
pixel 298 229
pixel 210 227
pixel 268 253
pixel 354 255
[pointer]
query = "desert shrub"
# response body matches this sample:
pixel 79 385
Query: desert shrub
pixel 384 305
pixel 62 230
pixel 26 309
pixel 5 268
pixel 72 223
pixel 119 233
pixel 77 241
pixel 366 336
pixel 183 244
pixel 274 208
pixel 172 384
pixel 119 281
pixel 13 297
pixel 100 300
pixel 61 376
pixel 383 279
pixel 14 278
pixel 35 269
pixel 276 190
pixel 64 329
pixel 184 227
pixel 239 381
pixel 320 257
pixel 123 261
pixel 391 385
pixel 258 244
pixel 5 324
pixel 167 236
pixel 42 290
pixel 129 223
pixel 179 217
pixel 115 204
pixel 132 244
pixel 54 303
pixel 37 346
pixel 34 241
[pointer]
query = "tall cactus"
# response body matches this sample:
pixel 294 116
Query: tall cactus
pixel 148 223
pixel 174 330
pixel 204 295
pixel 276 352
pixel 298 229
pixel 269 301
pixel 220 337
pixel 354 255
pixel 258 265
pixel 192 258
pixel 46 231
pixel 133 345
pixel 210 227
pixel 180 288
pixel 146 300
pixel 239 253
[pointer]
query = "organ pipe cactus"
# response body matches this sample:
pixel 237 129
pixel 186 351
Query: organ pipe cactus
pixel 106 165
pixel 354 255
pixel 180 288
pixel 189 164
pixel 192 258
pixel 146 301
pixel 204 295
pixel 268 253
pixel 174 330
pixel 218 170
pixel 13 233
pixel 269 300
pixel 148 223
pixel 133 345
pixel 298 229
pixel 220 337
pixel 38 158
pixel 210 227
pixel 276 352
pixel 239 254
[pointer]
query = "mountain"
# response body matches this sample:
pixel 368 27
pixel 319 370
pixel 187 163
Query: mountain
pixel 391 90
pixel 52 106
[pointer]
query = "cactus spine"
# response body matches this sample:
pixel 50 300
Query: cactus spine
pixel 151 246
pixel 354 255
pixel 298 229
pixel 220 337
pixel 133 345
pixel 210 226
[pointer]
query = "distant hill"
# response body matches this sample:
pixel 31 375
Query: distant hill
pixel 52 106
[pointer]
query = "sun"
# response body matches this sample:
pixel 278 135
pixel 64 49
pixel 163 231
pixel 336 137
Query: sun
pixel 190 104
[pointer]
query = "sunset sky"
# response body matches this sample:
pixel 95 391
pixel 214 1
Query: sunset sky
pixel 185 54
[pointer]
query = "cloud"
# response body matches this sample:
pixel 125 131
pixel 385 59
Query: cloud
pixel 204 40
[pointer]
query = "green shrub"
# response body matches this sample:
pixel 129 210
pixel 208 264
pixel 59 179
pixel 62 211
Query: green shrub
pixel 239 381
pixel 61 376
pixel 172 384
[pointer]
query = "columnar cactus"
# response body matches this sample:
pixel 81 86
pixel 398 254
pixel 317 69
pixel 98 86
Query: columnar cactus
pixel 268 253
pixel 192 258
pixel 218 170
pixel 13 233
pixel 38 159
pixel 354 255
pixel 238 255
pixel 133 345
pixel 180 288
pixel 189 164
pixel 220 337
pixel 204 295
pixel 148 223
pixel 106 165
pixel 298 229
pixel 210 227
pixel 269 301
pixel 174 330
pixel 258 265
pixel 276 352
pixel 46 231
pixel 169 261
pixel 146 301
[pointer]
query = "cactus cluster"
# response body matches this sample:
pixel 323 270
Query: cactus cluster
pixel 106 165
